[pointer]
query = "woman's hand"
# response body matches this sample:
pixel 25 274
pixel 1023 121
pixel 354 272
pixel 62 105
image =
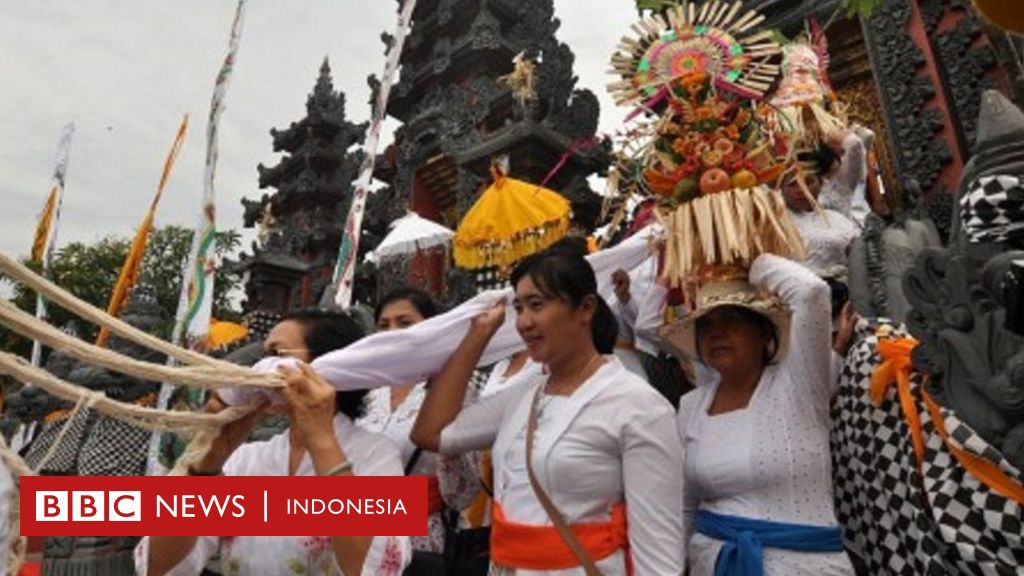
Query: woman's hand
pixel 838 139
pixel 491 319
pixel 843 339
pixel 620 282
pixel 231 436
pixel 311 405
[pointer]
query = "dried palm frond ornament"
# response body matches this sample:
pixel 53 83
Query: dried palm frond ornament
pixel 716 38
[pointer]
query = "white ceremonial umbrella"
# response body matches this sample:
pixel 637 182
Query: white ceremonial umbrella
pixel 411 233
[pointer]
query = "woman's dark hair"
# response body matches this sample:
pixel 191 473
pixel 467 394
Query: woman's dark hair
pixel 823 158
pixel 562 272
pixel 420 300
pixel 324 332
pixel 767 327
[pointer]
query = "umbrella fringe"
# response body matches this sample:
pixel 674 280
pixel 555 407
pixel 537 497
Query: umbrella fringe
pixel 504 253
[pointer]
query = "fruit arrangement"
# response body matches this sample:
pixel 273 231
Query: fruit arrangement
pixel 708 143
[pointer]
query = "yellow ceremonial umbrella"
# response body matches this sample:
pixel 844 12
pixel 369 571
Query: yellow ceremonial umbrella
pixel 511 220
pixel 224 333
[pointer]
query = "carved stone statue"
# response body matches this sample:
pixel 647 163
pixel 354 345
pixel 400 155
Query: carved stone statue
pixel 880 257
pixel 928 423
pixel 976 363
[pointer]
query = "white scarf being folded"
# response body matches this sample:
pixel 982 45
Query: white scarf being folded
pixel 420 351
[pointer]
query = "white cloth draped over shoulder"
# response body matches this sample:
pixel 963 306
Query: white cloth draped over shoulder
pixel 420 351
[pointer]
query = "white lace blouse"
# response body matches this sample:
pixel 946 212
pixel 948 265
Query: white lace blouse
pixel 828 235
pixel 456 475
pixel 770 460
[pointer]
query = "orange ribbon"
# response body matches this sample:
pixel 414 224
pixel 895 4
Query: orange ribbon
pixel 897 367
pixel 989 473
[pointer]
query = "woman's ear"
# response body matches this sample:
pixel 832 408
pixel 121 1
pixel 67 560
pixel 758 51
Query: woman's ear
pixel 589 306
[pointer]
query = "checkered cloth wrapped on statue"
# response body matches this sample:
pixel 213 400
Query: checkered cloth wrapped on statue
pixel 902 516
pixel 993 209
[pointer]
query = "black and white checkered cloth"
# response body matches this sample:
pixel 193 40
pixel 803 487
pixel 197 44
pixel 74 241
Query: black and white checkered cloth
pixel 94 445
pixel 114 448
pixel 993 209
pixel 64 460
pixel 899 521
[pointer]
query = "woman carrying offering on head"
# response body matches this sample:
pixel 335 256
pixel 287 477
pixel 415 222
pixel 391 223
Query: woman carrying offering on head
pixel 755 431
pixel 578 448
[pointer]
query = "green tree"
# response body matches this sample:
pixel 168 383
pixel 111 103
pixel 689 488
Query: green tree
pixel 90 271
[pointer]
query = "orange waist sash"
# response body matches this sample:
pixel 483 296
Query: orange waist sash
pixel 533 547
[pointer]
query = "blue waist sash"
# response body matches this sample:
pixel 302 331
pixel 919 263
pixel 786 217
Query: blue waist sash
pixel 744 539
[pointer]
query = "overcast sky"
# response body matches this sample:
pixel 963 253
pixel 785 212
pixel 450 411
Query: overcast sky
pixel 125 71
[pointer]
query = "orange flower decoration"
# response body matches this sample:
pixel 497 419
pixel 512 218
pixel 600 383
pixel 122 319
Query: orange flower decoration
pixel 694 80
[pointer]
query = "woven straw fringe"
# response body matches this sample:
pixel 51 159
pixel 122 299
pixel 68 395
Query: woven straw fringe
pixel 829 126
pixel 728 229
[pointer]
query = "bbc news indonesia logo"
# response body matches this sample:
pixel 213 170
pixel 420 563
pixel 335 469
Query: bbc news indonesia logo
pixel 223 506
pixel 88 506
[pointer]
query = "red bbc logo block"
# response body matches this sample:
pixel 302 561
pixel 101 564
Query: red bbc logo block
pixel 223 506
pixel 88 506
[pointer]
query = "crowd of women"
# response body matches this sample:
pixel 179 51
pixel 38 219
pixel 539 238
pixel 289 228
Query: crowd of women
pixel 572 459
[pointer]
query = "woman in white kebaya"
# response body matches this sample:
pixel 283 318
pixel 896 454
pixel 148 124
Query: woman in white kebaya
pixel 759 494
pixel 321 440
pixel 827 233
pixel 579 447
pixel 452 481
